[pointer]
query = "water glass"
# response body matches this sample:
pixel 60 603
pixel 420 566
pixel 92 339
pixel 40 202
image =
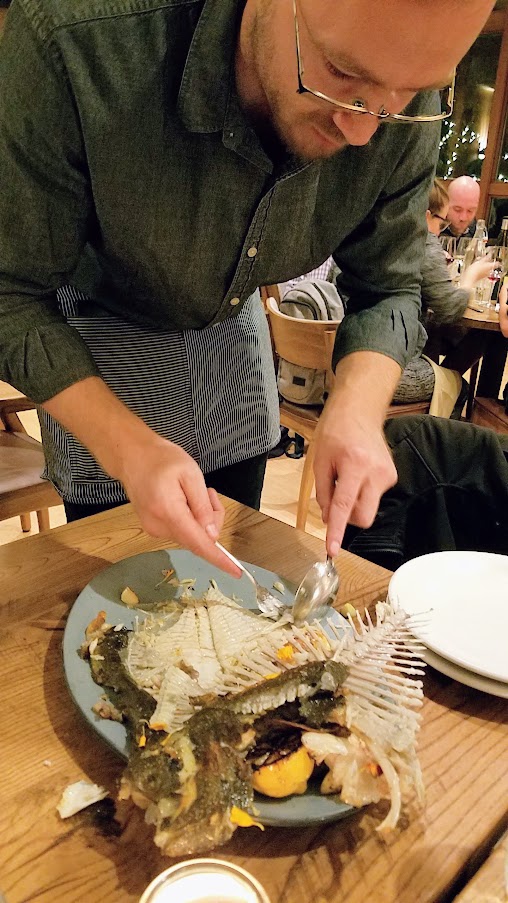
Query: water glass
pixel 204 881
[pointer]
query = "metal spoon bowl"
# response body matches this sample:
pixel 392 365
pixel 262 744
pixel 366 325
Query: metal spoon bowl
pixel 316 592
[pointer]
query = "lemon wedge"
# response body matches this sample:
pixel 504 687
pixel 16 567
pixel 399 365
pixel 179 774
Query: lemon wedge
pixel 288 775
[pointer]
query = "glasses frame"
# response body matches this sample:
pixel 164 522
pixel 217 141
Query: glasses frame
pixel 358 106
pixel 444 222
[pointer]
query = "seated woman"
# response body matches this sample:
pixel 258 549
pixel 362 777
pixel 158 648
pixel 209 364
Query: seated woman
pixel 443 303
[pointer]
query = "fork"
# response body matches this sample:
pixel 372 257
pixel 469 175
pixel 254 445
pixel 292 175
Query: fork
pixel 266 601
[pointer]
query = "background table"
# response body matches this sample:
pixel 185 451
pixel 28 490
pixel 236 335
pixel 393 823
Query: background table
pixel 483 342
pixel 45 745
pixel 486 319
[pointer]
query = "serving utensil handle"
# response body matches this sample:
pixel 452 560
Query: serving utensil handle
pixel 235 561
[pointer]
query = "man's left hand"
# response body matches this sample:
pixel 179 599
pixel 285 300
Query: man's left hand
pixel 353 466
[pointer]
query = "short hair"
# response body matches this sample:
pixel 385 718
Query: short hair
pixel 438 196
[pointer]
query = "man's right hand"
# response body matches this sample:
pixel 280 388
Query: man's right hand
pixel 163 482
pixel 479 269
pixel 168 491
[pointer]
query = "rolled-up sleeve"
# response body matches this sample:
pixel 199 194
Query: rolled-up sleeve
pixel 45 211
pixel 446 300
pixel 381 260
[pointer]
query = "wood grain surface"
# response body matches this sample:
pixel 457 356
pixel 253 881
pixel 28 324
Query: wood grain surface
pixel 490 884
pixel 46 745
pixel 481 319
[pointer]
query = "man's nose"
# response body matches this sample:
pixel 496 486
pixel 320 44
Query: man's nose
pixel 357 128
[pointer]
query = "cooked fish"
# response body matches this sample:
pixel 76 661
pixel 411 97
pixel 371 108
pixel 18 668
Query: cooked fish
pixel 203 695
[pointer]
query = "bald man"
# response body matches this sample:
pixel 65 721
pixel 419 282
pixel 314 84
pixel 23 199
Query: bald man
pixel 464 197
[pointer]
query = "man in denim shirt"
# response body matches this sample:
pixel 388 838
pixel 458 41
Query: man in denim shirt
pixel 198 149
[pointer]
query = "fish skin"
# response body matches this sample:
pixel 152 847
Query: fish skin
pixel 222 776
pixel 191 780
pixel 223 780
pixel 301 682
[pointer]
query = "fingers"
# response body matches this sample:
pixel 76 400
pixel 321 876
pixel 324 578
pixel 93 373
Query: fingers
pixel 178 520
pixel 353 497
pixel 170 496
pixel 218 510
pixel 203 523
pixel 345 498
pixel 325 476
pixel 203 503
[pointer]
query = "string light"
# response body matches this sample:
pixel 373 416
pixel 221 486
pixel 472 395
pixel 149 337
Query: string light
pixel 467 136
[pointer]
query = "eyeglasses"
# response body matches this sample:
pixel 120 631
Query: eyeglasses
pixel 444 223
pixel 358 105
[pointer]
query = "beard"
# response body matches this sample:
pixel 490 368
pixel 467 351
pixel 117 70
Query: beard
pixel 295 121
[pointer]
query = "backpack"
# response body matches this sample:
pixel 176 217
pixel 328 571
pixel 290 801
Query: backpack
pixel 318 300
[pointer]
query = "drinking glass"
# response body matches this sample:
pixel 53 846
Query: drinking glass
pixel 461 245
pixel 449 245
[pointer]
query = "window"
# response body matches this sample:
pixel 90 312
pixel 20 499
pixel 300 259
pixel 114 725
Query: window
pixel 464 136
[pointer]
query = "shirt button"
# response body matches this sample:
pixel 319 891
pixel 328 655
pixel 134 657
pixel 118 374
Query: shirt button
pixel 234 302
pixel 252 252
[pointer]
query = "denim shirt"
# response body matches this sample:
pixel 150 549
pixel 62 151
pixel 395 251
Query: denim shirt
pixel 123 145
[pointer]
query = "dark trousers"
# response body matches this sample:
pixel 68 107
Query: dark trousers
pixel 242 482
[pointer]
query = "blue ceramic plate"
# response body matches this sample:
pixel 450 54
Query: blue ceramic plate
pixel 141 573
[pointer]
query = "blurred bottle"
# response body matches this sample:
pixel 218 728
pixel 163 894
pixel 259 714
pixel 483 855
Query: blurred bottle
pixel 501 240
pixel 477 245
pixel 500 251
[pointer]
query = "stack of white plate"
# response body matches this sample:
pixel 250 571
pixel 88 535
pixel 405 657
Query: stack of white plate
pixel 459 601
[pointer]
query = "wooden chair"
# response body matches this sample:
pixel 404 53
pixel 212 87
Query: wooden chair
pixel 22 489
pixel 309 343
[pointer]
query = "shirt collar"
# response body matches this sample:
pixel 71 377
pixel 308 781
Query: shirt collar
pixel 205 87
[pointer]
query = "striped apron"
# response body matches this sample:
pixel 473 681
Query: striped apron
pixel 211 391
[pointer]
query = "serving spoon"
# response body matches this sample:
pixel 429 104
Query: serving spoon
pixel 316 592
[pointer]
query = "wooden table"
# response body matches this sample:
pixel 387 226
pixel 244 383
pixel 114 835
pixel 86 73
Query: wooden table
pixel 486 319
pixel 45 745
pixel 483 342
pixel 490 884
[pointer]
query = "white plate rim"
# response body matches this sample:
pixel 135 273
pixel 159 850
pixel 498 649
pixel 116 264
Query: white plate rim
pixel 423 561
pixel 463 676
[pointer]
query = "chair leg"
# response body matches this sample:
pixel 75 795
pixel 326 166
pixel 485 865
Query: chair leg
pixel 26 522
pixel 473 379
pixel 43 519
pixel 306 486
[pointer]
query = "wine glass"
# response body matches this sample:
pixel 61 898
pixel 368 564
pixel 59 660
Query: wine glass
pixel 449 245
pixel 461 246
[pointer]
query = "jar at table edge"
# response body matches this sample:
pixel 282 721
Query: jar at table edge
pixel 204 881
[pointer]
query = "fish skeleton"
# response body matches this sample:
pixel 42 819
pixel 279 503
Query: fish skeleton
pixel 199 694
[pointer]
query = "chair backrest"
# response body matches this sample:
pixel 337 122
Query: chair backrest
pixel 22 489
pixel 307 343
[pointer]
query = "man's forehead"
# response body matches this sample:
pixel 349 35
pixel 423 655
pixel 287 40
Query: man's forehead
pixel 463 197
pixel 401 44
